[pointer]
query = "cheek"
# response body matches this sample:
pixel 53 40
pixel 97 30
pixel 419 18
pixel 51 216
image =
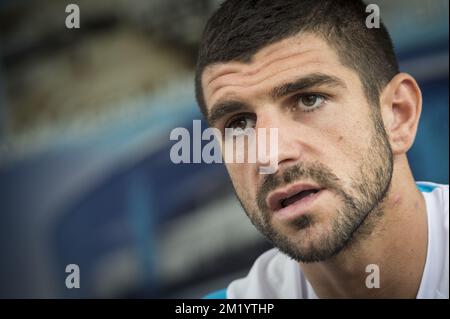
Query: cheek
pixel 241 178
pixel 233 171
pixel 348 142
pixel 342 132
pixel 351 128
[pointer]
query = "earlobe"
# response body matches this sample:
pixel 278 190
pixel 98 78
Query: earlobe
pixel 401 105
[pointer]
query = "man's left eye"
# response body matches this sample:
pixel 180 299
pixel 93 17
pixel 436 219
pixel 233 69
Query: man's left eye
pixel 309 102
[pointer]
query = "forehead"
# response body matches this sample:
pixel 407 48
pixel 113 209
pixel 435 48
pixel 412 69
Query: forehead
pixel 290 57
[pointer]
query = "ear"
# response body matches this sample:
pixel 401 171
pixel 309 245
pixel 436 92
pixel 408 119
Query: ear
pixel 401 104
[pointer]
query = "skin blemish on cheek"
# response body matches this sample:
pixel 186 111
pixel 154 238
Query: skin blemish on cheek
pixel 397 200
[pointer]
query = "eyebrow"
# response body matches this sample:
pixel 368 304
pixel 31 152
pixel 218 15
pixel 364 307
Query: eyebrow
pixel 306 82
pixel 221 109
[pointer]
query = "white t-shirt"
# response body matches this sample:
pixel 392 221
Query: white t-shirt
pixel 274 275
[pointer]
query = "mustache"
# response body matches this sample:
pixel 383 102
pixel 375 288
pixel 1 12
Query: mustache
pixel 315 172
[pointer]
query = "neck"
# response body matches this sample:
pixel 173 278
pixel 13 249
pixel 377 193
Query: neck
pixel 396 245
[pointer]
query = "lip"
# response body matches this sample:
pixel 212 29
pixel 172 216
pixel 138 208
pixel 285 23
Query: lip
pixel 274 199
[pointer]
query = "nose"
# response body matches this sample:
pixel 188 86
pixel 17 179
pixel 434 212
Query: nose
pixel 288 145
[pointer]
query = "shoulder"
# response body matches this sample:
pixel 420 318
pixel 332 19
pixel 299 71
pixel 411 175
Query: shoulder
pixel 437 198
pixel 437 266
pixel 273 275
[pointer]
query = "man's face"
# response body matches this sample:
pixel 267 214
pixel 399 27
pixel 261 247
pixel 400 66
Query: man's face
pixel 334 159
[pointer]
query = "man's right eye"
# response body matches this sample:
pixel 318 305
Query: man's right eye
pixel 242 122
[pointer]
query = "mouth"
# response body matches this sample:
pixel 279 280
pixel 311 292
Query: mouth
pixel 292 196
pixel 299 196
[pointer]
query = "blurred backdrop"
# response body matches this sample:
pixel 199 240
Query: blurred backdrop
pixel 85 173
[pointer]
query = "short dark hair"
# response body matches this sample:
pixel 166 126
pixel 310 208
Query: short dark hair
pixel 240 28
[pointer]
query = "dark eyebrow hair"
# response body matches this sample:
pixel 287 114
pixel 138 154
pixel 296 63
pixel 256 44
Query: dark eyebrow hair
pixel 306 82
pixel 221 109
